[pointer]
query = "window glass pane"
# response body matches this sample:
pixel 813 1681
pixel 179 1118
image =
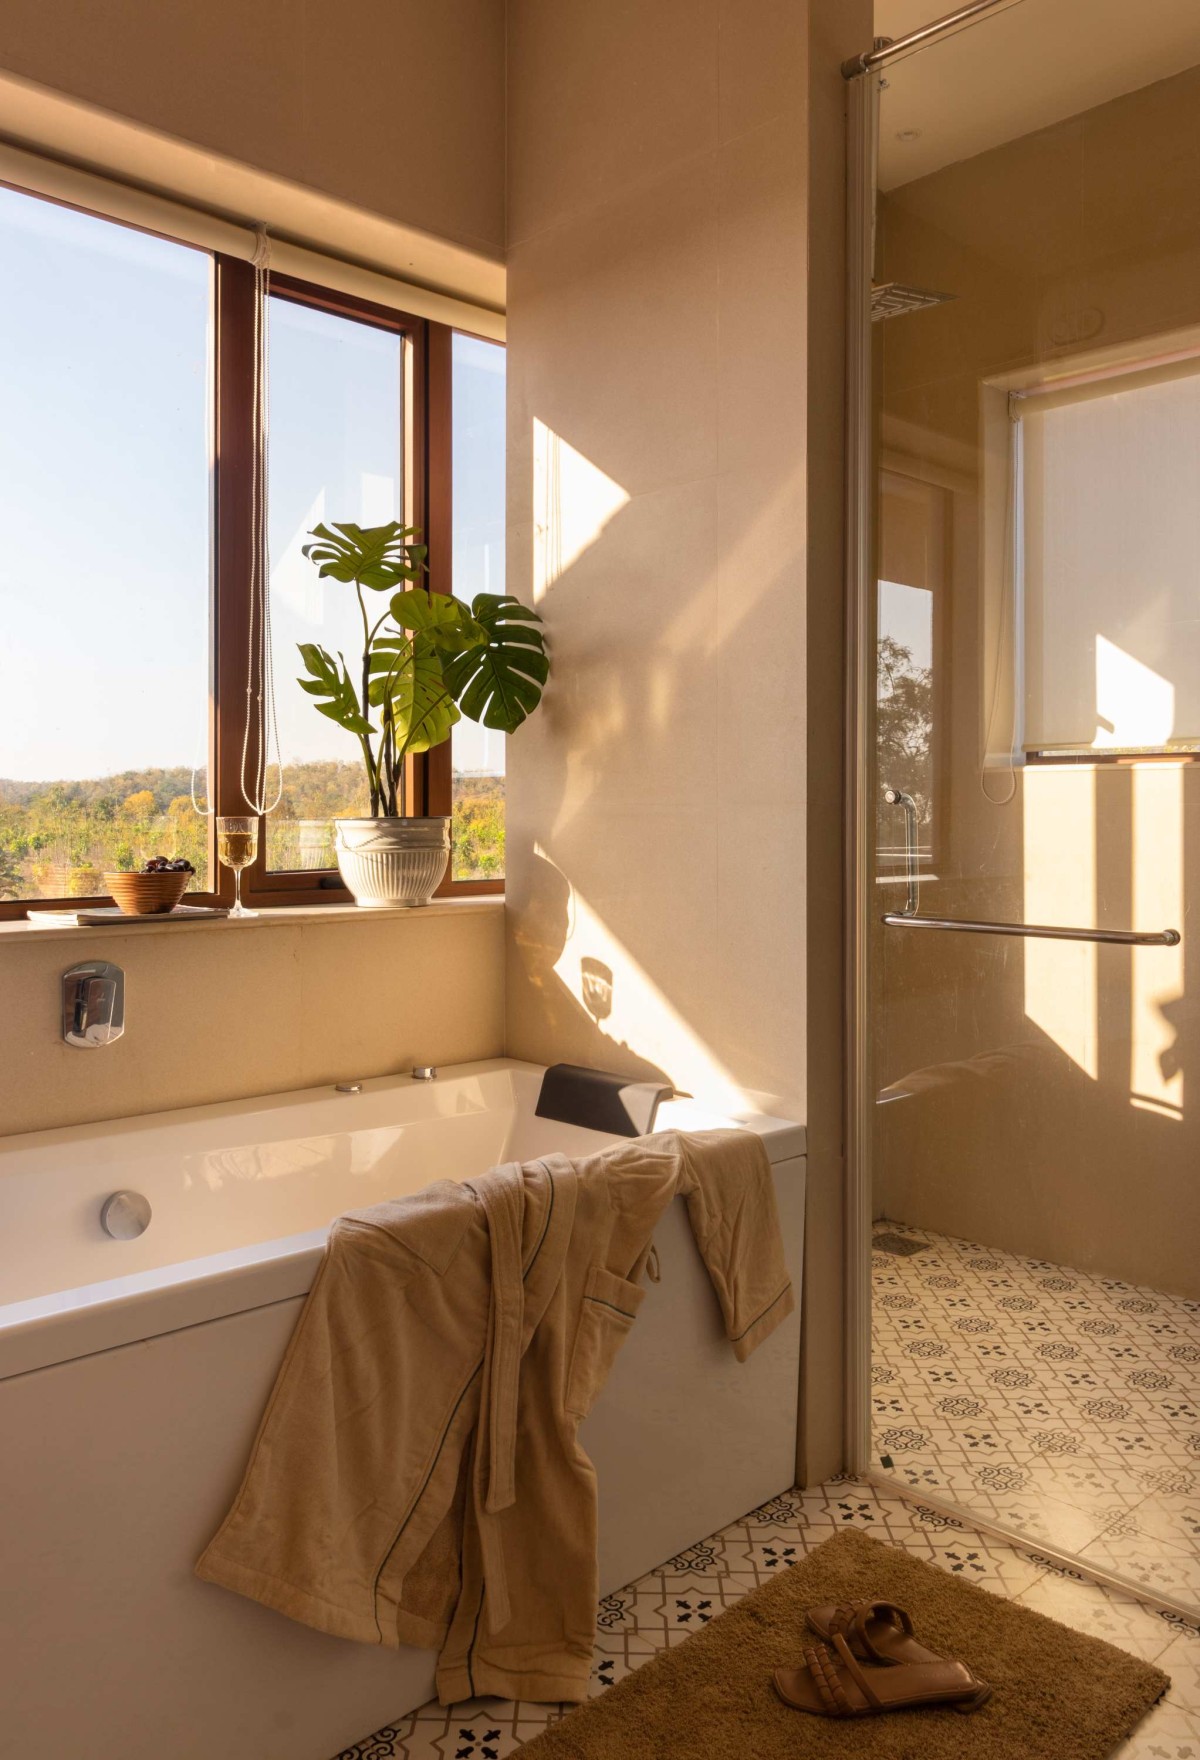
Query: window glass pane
pixel 478 753
pixel 335 456
pixel 104 572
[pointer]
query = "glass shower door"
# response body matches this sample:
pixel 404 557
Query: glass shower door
pixel 1034 1153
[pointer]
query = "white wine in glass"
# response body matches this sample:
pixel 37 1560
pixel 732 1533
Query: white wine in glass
pixel 237 846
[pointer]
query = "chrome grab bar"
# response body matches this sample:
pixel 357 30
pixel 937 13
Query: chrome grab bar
pixel 1037 931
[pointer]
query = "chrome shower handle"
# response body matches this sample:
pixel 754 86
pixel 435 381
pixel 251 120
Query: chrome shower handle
pixel 93 1005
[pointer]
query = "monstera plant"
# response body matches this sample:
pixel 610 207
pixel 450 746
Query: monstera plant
pixel 427 660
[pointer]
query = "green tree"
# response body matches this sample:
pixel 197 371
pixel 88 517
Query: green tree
pixel 904 737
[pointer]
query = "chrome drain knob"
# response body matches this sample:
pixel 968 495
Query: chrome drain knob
pixel 125 1215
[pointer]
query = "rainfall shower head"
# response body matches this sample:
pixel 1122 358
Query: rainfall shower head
pixel 893 299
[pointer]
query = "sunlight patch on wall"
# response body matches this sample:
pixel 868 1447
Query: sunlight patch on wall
pixel 1155 1073
pixel 573 501
pixel 603 976
pixel 1135 706
pixel 1060 888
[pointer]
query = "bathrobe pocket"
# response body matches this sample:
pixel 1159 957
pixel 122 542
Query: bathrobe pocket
pixel 609 1306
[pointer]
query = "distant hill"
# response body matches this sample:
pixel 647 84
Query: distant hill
pixel 165 785
pixel 48 829
pixel 315 790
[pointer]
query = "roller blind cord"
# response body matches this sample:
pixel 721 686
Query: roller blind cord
pixel 263 713
pixel 265 720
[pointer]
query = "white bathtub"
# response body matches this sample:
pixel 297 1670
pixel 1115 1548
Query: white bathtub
pixel 133 1374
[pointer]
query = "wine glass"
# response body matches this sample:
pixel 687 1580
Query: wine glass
pixel 237 846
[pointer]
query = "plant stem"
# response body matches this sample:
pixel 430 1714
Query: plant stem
pixel 368 749
pixel 386 759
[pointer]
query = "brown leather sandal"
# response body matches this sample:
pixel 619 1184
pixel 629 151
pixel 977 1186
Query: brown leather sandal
pixel 833 1683
pixel 880 1631
pixel 876 1631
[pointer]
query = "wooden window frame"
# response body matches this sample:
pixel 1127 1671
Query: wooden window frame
pixel 427 504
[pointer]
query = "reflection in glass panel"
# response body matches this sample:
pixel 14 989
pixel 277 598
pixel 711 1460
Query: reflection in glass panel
pixel 1112 559
pixel 335 455
pixel 1037 1287
pixel 905 710
pixel 478 752
pixel 104 578
pixel 911 589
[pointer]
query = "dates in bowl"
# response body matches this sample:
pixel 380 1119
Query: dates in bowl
pixel 153 892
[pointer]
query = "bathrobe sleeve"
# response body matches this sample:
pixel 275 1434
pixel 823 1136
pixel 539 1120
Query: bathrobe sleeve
pixel 726 1179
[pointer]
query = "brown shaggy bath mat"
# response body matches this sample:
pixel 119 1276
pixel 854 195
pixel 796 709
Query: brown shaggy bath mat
pixel 1058 1694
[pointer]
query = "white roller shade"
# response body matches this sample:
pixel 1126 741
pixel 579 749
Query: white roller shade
pixel 1111 564
pixel 115 200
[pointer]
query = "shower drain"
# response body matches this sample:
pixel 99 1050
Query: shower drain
pixel 899 1244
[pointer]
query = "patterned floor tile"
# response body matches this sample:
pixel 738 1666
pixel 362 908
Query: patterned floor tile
pixel 1042 1397
pixel 1130 1549
pixel 1101 1612
pixel 686 1592
pixel 1170 1732
pixel 1037 1510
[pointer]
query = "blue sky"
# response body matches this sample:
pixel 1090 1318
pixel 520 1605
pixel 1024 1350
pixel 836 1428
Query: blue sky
pixel 104 492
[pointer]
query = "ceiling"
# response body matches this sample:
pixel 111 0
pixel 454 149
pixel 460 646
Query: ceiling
pixel 1032 64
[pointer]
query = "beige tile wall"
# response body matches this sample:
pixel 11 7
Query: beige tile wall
pixel 656 327
pixel 221 1013
pixel 666 173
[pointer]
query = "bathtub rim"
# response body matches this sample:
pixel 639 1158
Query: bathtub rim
pixel 43 1331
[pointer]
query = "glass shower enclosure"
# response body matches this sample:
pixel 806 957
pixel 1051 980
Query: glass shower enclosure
pixel 1024 646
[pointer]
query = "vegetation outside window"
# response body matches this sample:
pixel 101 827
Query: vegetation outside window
pixel 914 537
pixel 104 581
pixel 478 541
pixel 127 378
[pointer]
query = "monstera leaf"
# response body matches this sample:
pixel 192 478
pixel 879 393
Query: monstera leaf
pixel 445 620
pixel 499 681
pixel 328 680
pixel 408 680
pixel 379 557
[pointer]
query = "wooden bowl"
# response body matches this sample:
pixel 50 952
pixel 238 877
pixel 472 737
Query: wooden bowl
pixel 146 895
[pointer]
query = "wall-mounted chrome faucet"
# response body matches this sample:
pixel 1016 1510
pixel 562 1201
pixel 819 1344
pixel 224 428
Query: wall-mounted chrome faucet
pixel 896 797
pixel 93 1005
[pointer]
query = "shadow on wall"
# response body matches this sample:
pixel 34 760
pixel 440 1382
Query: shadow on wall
pixel 656 803
pixel 542 937
pixel 658 920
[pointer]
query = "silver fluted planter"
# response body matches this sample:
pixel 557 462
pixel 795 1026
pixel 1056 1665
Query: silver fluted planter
pixel 390 862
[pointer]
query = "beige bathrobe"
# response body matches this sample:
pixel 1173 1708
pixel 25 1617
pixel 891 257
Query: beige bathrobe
pixel 417 1477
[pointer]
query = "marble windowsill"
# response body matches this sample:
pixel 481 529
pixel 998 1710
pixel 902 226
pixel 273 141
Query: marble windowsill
pixel 21 931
